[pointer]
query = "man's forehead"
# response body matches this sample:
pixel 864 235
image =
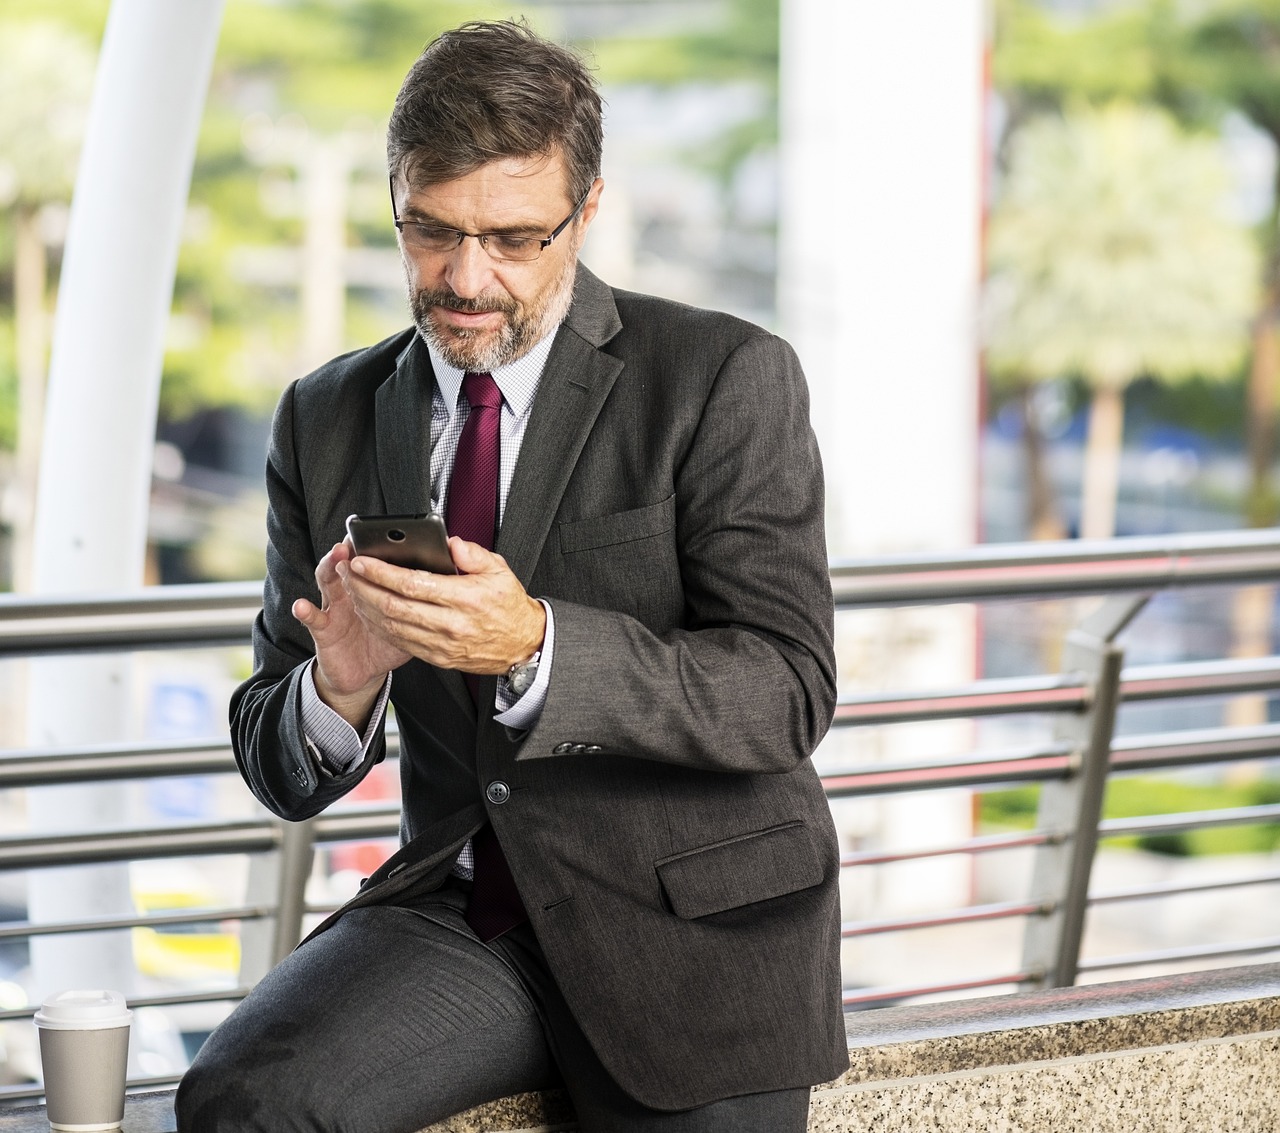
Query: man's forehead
pixel 538 173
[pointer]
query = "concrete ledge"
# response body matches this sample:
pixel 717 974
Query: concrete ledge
pixel 1195 1051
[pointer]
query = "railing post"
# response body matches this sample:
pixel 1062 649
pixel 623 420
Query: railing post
pixel 278 878
pixel 297 846
pixel 1071 808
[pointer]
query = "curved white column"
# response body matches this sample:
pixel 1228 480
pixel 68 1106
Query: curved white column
pixel 113 308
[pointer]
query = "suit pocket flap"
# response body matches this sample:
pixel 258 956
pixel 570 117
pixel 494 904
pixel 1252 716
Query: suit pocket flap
pixel 740 871
pixel 620 527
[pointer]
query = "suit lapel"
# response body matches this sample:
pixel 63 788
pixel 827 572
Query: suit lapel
pixel 403 408
pixel 575 383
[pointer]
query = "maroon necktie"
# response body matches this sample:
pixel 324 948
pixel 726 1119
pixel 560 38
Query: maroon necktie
pixel 472 513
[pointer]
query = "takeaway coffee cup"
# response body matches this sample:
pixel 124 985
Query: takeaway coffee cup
pixel 84 1046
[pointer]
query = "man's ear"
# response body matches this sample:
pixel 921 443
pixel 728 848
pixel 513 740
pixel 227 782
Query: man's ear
pixel 591 207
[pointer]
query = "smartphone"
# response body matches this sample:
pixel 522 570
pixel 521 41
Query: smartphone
pixel 417 541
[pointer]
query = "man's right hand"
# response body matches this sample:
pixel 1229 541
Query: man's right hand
pixel 351 662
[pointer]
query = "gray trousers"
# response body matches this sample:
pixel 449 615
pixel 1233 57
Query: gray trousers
pixel 399 1017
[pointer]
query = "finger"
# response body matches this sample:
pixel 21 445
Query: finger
pixel 326 568
pixel 471 558
pixel 370 573
pixel 308 614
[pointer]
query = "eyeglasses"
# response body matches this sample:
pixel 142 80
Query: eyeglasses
pixel 437 241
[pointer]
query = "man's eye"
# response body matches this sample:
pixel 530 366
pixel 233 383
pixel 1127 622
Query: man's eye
pixel 512 244
pixel 436 237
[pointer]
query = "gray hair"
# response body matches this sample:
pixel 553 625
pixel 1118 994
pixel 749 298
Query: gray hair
pixel 493 90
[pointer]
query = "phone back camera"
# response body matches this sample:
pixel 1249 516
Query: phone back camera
pixel 395 535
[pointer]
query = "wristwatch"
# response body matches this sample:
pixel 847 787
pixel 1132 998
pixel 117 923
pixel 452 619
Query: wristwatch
pixel 521 675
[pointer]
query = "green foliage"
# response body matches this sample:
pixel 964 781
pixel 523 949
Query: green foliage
pixel 46 73
pixel 329 67
pixel 1044 61
pixel 1233 54
pixel 8 388
pixel 741 50
pixel 1014 808
pixel 1132 797
pixel 1111 255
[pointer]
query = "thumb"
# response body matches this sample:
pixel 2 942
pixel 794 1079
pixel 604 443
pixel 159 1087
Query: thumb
pixel 470 558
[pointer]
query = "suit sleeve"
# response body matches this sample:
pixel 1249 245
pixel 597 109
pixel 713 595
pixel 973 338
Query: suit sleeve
pixel 746 682
pixel 266 711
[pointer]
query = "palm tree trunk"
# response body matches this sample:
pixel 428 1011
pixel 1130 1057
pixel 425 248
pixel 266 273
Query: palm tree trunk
pixel 1251 609
pixel 1043 520
pixel 1102 462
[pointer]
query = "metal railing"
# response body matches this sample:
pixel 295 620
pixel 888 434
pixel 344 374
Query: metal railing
pixel 1071 768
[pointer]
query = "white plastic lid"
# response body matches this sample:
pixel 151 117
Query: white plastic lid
pixel 83 1011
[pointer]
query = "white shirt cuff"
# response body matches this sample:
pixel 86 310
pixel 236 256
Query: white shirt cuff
pixel 331 738
pixel 522 712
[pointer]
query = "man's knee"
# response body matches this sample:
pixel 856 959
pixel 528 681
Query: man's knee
pixel 233 1085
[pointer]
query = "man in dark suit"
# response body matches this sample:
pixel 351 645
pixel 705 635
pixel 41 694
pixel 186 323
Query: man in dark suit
pixel 618 870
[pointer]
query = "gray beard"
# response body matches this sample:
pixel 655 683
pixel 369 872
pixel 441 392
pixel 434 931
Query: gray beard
pixel 476 351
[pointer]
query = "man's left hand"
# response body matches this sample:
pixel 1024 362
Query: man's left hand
pixel 480 620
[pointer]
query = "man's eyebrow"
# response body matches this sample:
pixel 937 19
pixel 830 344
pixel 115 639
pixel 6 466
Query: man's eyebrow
pixel 526 228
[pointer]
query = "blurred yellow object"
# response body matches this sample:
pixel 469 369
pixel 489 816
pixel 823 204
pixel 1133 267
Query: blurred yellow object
pixel 183 951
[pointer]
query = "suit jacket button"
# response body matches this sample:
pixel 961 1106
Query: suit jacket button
pixel 497 792
pixel 593 749
pixel 562 749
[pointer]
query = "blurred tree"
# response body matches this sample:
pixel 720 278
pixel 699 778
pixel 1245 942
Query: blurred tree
pixel 1230 57
pixel 1111 257
pixel 1041 64
pixel 46 74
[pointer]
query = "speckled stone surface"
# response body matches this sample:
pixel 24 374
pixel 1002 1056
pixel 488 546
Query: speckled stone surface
pixel 522 1113
pixel 1196 1052
pixel 1216 1086
pixel 901 1042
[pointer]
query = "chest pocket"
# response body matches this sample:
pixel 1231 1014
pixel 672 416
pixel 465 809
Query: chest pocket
pixel 626 561
pixel 620 527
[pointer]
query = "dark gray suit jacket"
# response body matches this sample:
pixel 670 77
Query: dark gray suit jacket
pixel 665 826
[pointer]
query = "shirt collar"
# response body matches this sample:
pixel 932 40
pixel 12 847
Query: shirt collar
pixel 517 380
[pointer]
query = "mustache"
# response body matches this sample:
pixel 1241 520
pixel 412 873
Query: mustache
pixel 427 298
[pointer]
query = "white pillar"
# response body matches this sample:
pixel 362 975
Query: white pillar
pixel 882 142
pixel 882 167
pixel 113 307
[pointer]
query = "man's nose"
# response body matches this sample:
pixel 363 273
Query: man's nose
pixel 469 270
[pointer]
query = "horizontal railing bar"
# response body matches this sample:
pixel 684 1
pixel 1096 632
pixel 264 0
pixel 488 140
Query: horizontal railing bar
pixel 1175 888
pixel 101 762
pixel 1194 748
pixel 1200 678
pixel 376 820
pixel 183 599
pixel 1188 820
pixel 197 615
pixel 972 915
pixel 10 930
pixel 893 994
pixel 987 844
pixel 40 851
pixel 186 999
pixel 1030 767
pixel 1031 570
pixel 1171 955
pixel 982 698
pixel 1065 692
pixel 116 761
